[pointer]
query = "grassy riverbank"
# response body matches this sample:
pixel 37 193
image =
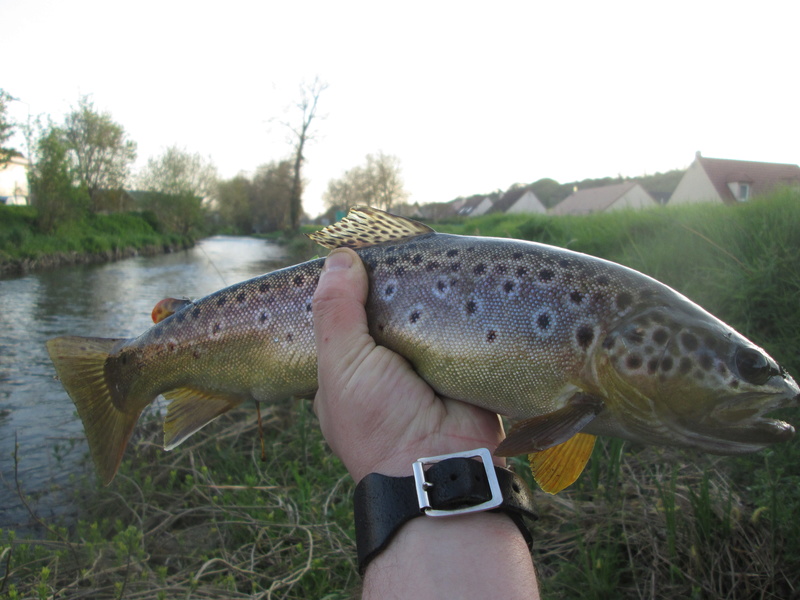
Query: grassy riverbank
pixel 211 520
pixel 93 238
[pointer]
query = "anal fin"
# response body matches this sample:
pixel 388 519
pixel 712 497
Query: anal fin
pixel 189 411
pixel 551 429
pixel 559 466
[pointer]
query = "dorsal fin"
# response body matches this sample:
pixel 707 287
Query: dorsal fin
pixel 365 226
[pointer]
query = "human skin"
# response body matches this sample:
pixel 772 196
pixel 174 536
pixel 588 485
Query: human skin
pixel 378 416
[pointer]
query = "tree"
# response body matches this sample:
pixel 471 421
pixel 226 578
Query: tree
pixel 270 200
pixel 377 183
pixel 51 181
pixel 100 150
pixel 232 198
pixel 6 128
pixel 302 133
pixel 178 172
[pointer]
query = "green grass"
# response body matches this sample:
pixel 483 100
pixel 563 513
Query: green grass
pixel 211 520
pixel 94 236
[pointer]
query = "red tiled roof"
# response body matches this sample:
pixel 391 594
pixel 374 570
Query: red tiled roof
pixel 761 176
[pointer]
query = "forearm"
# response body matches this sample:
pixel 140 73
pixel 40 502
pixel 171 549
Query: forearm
pixel 480 555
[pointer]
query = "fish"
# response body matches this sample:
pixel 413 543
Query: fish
pixel 565 345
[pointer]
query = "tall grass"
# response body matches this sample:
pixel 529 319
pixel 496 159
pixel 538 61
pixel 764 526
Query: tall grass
pixel 211 520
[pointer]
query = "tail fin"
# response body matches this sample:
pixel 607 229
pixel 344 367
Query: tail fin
pixel 80 363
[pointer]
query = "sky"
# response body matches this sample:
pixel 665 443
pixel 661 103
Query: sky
pixel 470 97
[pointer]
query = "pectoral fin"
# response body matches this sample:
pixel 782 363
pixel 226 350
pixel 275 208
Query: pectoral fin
pixel 551 429
pixel 559 466
pixel 191 410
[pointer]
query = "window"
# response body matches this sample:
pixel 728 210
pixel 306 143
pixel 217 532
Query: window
pixel 744 192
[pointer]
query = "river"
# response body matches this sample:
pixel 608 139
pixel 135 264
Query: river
pixel 109 300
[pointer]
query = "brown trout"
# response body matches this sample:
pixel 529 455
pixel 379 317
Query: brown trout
pixel 568 345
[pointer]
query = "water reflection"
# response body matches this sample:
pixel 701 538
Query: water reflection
pixel 111 300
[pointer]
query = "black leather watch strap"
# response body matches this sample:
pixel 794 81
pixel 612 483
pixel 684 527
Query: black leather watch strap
pixel 383 504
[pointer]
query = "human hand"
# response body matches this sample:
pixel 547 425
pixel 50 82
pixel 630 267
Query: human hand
pixel 375 412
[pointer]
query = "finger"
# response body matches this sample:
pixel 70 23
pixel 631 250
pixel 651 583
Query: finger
pixel 340 321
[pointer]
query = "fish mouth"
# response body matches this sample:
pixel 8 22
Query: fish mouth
pixel 740 425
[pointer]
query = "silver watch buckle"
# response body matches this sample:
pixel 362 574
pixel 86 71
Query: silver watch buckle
pixel 423 486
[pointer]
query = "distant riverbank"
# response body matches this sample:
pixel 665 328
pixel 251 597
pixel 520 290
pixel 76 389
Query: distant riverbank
pixel 94 238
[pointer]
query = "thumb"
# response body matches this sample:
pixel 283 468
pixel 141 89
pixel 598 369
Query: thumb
pixel 340 321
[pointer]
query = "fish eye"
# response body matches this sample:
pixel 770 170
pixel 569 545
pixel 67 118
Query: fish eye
pixel 753 366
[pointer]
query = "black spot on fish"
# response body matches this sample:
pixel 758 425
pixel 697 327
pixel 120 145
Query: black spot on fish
pixel 508 287
pixel 453 252
pixel 289 337
pixel 455 267
pixel 543 321
pixel 432 266
pixel 522 271
pixel 479 269
pixel 652 365
pixel 381 326
pixel 602 280
pixel 685 365
pixel 491 335
pixel 400 271
pixel 517 255
pixel 585 336
pixel 171 346
pixel 441 286
pixel 546 275
pixel 263 288
pixel 308 306
pixel 576 297
pixel 564 263
pixel 391 260
pixel 609 342
pixel 471 307
pixel 414 316
pixel 623 300
pixel 666 363
pixel 689 341
pixel 263 317
pixel 299 280
pixel 706 362
pixel 660 336
pixel 417 259
pixel 222 300
pixel 216 328
pixel 196 313
pixel 196 354
pixel 241 297
pixel 633 362
pixel 389 291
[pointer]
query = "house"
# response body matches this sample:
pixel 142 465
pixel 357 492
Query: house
pixel 14 181
pixel 519 201
pixel 731 181
pixel 628 194
pixel 475 206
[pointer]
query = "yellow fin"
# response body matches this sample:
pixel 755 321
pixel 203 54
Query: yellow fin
pixel 168 307
pixel 365 226
pixel 191 410
pixel 80 364
pixel 559 466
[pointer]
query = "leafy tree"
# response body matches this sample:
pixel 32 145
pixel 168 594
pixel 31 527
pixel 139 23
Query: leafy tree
pixel 377 183
pixel 232 198
pixel 51 181
pixel 99 148
pixel 271 196
pixel 6 128
pixel 178 172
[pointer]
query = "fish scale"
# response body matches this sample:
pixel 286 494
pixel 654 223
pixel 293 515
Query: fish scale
pixel 570 346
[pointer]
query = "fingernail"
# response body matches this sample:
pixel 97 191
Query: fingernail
pixel 338 260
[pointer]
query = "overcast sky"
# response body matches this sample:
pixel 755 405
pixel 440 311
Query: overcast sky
pixel 471 98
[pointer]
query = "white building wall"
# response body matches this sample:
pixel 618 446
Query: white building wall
pixel 694 186
pixel 14 181
pixel 636 197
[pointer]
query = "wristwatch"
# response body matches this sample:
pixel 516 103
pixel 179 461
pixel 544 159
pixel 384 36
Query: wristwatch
pixel 455 484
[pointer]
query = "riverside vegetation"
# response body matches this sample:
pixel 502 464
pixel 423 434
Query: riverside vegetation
pixel 92 237
pixel 211 520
